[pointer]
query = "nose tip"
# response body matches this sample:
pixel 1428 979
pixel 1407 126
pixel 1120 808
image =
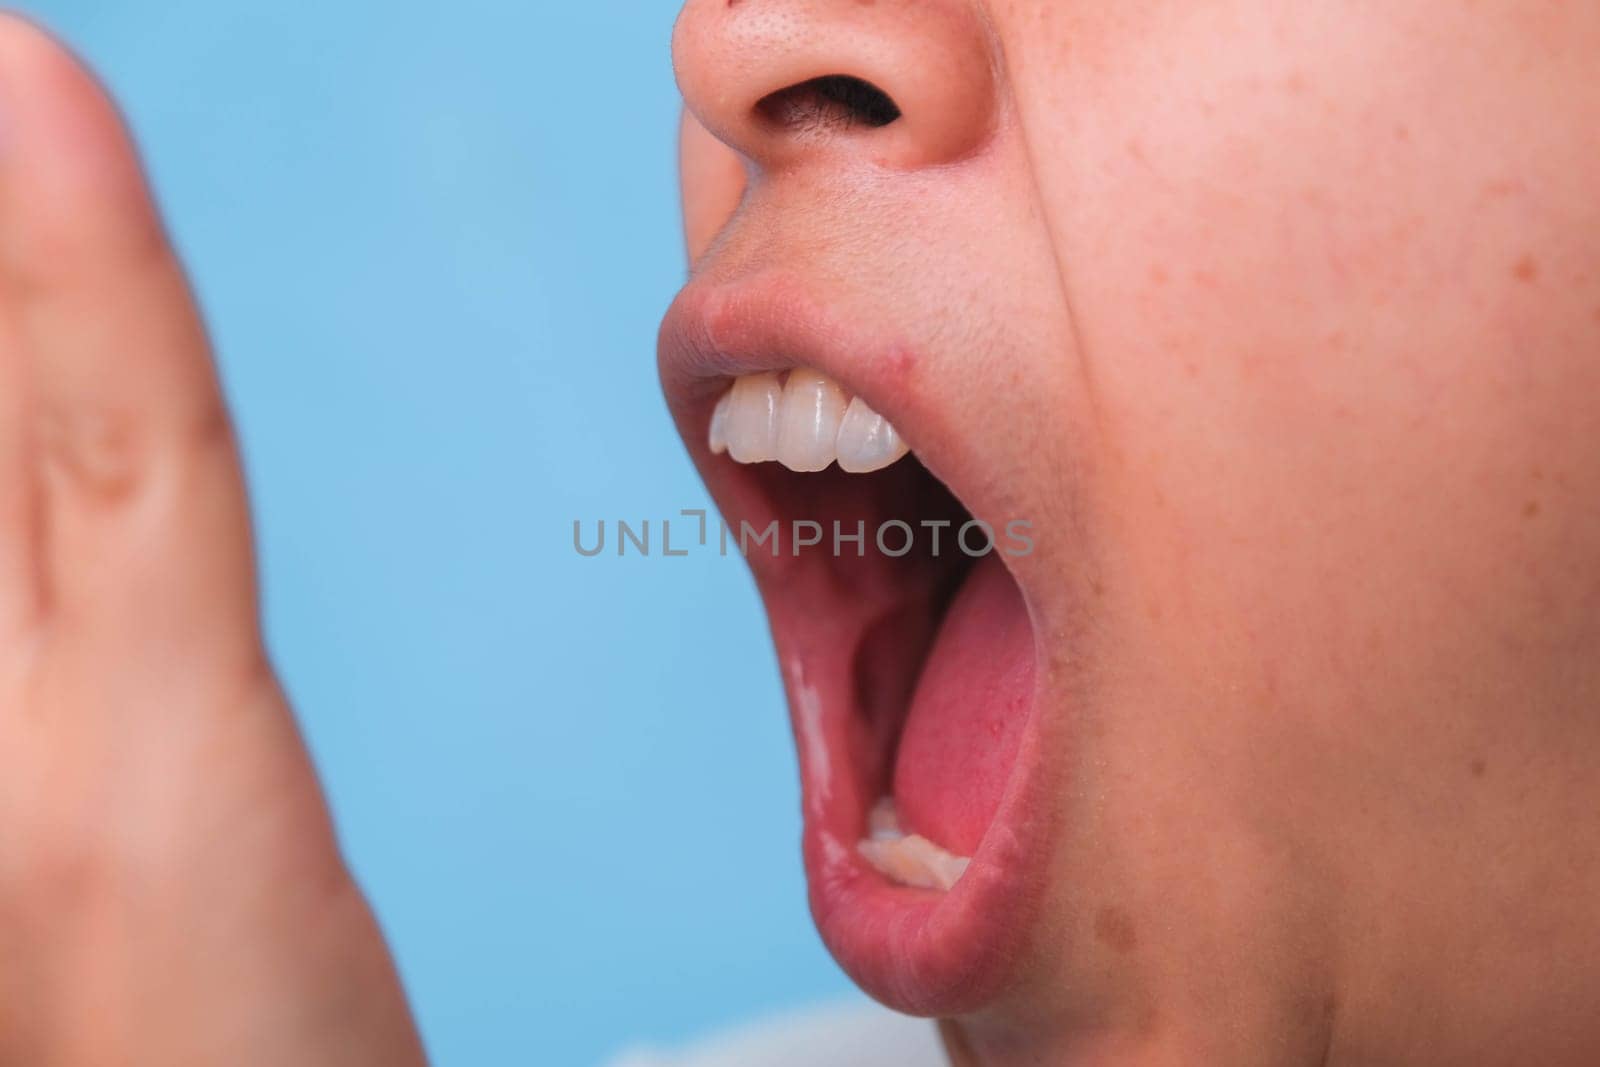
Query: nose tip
pixel 910 81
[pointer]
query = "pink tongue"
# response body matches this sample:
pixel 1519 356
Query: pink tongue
pixel 968 713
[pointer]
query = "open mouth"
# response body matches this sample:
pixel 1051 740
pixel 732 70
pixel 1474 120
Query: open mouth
pixel 943 670
pixel 906 643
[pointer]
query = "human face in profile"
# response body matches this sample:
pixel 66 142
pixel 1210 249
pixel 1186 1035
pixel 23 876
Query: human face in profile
pixel 1280 330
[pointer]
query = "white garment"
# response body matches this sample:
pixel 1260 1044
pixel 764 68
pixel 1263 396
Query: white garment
pixel 853 1034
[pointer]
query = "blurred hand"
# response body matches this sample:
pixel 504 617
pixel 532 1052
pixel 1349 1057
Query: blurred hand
pixel 170 889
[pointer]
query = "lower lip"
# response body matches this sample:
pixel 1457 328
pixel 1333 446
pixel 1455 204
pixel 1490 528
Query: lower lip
pixel 922 952
pixel 918 951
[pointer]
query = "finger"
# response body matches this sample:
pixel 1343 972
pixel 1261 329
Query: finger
pixel 19 558
pixel 144 509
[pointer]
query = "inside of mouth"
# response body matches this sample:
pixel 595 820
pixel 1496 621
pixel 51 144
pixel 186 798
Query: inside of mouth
pixel 940 662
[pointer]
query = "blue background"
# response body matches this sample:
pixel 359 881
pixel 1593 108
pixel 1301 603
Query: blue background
pixel 433 243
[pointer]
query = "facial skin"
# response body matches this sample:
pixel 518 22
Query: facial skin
pixel 1299 306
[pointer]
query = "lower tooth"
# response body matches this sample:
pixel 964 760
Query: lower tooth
pixel 909 860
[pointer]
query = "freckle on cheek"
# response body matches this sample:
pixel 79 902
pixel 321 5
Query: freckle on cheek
pixel 1478 768
pixel 1115 930
pixel 1530 510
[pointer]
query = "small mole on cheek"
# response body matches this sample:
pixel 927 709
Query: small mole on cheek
pixel 1530 510
pixel 1115 930
pixel 1526 269
pixel 1478 767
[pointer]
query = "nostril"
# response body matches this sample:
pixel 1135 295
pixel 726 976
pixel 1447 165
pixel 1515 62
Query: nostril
pixel 829 102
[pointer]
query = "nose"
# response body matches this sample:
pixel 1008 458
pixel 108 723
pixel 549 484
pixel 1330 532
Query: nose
pixel 910 83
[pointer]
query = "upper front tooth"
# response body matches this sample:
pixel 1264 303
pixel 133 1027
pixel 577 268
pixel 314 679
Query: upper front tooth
pixel 753 411
pixel 719 424
pixel 867 442
pixel 809 423
pixel 805 424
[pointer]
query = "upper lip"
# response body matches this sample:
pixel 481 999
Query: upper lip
pixel 717 330
pixel 945 954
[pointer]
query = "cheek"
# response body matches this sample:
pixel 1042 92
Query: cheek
pixel 1336 296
